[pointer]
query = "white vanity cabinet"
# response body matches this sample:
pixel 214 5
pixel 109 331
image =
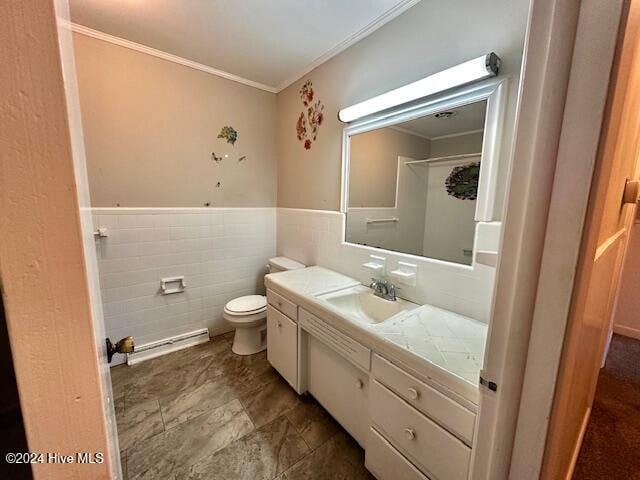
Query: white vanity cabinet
pixel 282 338
pixel 336 374
pixel 409 427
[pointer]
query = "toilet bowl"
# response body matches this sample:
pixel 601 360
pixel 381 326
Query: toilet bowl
pixel 248 314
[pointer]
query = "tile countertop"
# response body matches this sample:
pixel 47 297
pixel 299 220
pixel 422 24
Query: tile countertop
pixel 438 346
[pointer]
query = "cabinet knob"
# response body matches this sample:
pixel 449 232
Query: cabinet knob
pixel 410 433
pixel 359 383
pixel 279 323
pixel 280 304
pixel 413 393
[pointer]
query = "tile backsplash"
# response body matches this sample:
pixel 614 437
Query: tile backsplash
pixel 315 237
pixel 222 254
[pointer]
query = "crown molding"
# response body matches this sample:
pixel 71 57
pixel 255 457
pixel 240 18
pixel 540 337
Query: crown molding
pixel 458 134
pixel 409 132
pixel 90 32
pixel 386 17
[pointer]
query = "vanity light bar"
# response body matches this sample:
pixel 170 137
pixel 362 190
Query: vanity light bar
pixel 471 71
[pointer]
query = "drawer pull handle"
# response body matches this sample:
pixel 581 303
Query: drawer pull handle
pixel 413 393
pixel 359 384
pixel 280 304
pixel 410 433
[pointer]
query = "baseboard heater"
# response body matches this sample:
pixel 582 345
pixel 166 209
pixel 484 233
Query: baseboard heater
pixel 155 349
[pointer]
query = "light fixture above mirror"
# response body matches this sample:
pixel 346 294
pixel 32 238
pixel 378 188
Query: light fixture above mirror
pixel 474 70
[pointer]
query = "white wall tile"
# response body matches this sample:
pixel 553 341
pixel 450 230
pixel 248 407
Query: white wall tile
pixel 221 252
pixel 315 237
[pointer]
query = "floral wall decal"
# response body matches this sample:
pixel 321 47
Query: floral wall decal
pixel 311 117
pixel 229 134
pixel 462 182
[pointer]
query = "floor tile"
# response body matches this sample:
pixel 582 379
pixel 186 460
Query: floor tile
pixel 269 402
pixel 181 407
pixel 261 455
pixel 340 458
pixel 143 380
pixel 165 454
pixel 312 422
pixel 171 381
pixel 204 412
pixel 118 406
pixel 139 422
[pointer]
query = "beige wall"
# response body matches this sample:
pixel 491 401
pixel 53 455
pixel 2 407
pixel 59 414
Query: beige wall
pixel 373 167
pixel 150 127
pixel 429 37
pixel 469 143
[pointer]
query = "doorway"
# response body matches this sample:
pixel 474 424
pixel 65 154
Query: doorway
pixel 609 448
pixel 608 227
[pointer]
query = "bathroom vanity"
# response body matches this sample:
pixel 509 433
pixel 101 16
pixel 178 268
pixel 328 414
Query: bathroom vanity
pixel 372 365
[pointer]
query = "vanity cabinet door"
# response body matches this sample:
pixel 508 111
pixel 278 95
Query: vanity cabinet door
pixel 340 387
pixel 282 345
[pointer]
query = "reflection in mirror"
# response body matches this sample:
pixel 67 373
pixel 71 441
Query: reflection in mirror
pixel 413 185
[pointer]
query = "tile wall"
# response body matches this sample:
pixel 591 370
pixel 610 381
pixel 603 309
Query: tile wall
pixel 315 237
pixel 221 252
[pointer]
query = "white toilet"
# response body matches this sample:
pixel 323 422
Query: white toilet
pixel 248 314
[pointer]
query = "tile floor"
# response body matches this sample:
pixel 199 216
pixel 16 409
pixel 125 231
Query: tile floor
pixel 204 412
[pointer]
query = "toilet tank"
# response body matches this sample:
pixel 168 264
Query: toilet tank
pixel 281 264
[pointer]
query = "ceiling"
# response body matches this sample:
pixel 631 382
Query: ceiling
pixel 468 118
pixel 270 42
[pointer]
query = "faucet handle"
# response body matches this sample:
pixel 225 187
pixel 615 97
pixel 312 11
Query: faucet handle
pixel 392 290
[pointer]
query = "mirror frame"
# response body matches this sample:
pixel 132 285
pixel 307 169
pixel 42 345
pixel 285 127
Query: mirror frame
pixel 493 91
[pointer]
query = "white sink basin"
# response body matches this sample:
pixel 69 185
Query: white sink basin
pixel 360 304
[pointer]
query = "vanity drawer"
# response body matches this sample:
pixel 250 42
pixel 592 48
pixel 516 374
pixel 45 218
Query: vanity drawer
pixel 441 455
pixel 287 307
pixel 386 463
pixel 448 413
pixel 338 341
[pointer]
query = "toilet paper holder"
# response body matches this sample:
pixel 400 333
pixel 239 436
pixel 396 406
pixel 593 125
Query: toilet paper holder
pixel 171 285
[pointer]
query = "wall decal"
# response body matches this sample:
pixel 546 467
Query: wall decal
pixel 311 118
pixel 215 158
pixel 229 134
pixel 462 182
pixel 242 158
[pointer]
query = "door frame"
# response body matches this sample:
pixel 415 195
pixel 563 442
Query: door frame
pixel 46 269
pixel 544 218
pixel 596 40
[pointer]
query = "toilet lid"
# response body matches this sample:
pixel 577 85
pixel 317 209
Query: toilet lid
pixel 247 304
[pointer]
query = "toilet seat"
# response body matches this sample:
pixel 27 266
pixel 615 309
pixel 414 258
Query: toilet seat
pixel 247 305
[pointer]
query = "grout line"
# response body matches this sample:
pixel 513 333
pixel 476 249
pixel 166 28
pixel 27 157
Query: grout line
pixel 164 425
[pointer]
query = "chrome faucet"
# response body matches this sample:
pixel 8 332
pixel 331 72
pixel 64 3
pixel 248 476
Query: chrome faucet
pixel 383 289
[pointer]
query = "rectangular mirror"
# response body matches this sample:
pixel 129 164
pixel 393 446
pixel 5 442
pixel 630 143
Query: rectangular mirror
pixel 414 180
